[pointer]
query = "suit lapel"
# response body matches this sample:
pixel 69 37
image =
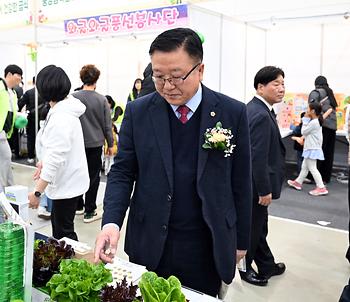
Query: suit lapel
pixel 210 115
pixel 160 121
pixel 274 121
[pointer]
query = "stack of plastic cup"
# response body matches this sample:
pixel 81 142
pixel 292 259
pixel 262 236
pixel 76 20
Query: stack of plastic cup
pixel 11 261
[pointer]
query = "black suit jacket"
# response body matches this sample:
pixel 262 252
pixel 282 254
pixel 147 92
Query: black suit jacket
pixel 145 162
pixel 268 151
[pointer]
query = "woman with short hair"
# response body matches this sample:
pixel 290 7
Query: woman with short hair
pixel 61 173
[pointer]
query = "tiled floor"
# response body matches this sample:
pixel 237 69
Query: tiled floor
pixel 314 256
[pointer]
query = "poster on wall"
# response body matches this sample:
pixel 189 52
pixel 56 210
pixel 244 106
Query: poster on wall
pixel 293 104
pixel 134 21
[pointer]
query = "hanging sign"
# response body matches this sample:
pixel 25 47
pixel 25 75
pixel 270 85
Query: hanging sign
pixel 135 21
pixel 13 13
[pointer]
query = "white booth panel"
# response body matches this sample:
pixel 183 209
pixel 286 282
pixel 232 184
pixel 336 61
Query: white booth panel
pixel 209 26
pixel 256 58
pixel 233 60
pixel 297 50
pixel 336 60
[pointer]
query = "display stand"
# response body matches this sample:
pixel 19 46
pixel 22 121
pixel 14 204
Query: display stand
pixel 133 274
pixel 13 216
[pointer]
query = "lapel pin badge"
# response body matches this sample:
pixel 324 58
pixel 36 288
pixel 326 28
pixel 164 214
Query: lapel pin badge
pixel 212 114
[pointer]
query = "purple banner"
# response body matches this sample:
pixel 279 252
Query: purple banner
pixel 135 21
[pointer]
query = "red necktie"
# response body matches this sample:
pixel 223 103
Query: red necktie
pixel 183 110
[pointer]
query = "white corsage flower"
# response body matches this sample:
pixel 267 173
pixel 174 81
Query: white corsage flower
pixel 219 138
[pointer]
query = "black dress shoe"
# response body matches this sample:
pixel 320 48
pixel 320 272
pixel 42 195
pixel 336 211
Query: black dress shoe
pixel 278 269
pixel 253 278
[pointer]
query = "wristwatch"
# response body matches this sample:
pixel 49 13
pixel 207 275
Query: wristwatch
pixel 37 194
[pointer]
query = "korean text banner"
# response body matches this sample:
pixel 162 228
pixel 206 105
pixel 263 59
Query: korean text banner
pixel 135 21
pixel 14 13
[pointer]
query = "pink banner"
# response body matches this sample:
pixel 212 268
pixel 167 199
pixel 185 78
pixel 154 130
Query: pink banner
pixel 136 21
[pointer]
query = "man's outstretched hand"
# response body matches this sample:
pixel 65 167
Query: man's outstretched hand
pixel 106 244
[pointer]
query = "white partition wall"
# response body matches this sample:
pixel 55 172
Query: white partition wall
pixel 256 57
pixel 233 52
pixel 305 51
pixel 297 50
pixel 336 61
pixel 209 25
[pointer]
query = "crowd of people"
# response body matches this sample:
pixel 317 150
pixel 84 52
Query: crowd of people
pixel 196 169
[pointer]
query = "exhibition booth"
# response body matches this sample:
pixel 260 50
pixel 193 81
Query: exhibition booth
pixel 305 40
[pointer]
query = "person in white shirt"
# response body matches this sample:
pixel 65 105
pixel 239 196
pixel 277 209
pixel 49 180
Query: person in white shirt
pixel 61 174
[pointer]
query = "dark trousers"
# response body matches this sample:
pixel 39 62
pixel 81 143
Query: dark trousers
pixel 325 166
pixel 300 159
pixel 31 137
pixel 348 251
pixel 14 142
pixel 259 250
pixel 62 217
pixel 94 161
pixel 345 295
pixel 192 261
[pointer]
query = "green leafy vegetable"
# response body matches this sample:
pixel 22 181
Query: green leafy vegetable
pixel 158 289
pixel 78 281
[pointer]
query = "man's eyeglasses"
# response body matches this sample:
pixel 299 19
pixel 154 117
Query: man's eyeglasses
pixel 176 81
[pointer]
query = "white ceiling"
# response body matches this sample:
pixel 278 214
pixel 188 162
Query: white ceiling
pixel 260 12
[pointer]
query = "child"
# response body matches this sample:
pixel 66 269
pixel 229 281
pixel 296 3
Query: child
pixel 312 135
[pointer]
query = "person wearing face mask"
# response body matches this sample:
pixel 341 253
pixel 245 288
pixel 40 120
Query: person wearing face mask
pixel 189 213
pixel 8 111
pixel 268 153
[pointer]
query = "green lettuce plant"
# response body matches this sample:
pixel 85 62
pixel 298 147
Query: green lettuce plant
pixel 78 281
pixel 158 289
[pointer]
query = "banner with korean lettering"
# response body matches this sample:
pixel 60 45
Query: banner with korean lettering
pixel 14 13
pixel 135 21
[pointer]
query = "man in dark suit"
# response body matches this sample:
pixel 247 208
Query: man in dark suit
pixel 267 151
pixel 190 210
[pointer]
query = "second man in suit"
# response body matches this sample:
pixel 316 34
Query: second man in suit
pixel 268 166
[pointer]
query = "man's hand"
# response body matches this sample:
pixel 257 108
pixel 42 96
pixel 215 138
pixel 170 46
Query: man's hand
pixel 37 173
pixel 240 254
pixel 265 200
pixel 33 201
pixel 106 244
pixel 110 151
